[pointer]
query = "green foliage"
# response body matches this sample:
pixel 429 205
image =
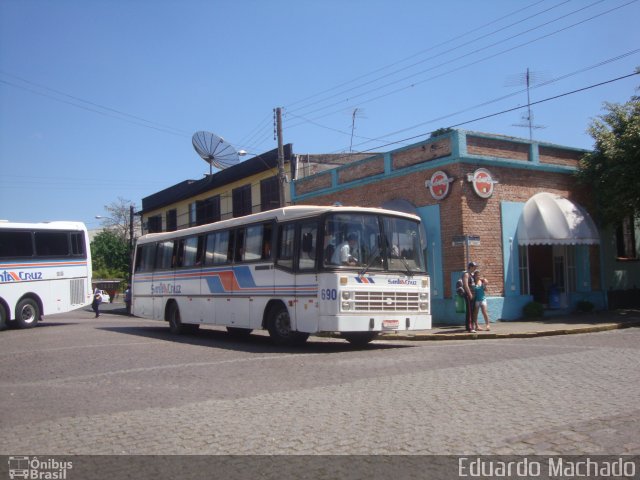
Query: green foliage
pixel 612 170
pixel 533 310
pixel 440 131
pixel 110 254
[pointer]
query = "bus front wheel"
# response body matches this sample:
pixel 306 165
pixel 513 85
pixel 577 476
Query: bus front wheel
pixel 175 322
pixel 280 331
pixel 27 313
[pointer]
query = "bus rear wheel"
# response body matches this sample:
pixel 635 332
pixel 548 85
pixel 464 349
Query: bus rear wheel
pixel 3 318
pixel 280 331
pixel 27 313
pixel 359 338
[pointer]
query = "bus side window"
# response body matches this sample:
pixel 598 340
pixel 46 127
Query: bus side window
pixel 308 246
pixel 286 235
pixel 165 256
pixel 217 248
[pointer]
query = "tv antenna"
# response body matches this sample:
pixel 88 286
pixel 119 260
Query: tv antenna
pixel 214 150
pixel 528 79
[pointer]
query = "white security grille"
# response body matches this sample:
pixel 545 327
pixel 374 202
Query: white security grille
pixel 386 301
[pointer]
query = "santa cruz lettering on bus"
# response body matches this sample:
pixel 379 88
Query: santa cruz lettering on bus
pixel 19 276
pixel 165 289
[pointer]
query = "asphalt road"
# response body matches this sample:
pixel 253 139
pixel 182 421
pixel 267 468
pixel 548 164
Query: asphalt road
pixel 122 385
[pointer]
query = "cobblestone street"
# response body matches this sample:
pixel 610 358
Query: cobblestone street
pixel 125 386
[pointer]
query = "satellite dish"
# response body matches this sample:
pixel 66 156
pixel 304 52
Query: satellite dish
pixel 214 150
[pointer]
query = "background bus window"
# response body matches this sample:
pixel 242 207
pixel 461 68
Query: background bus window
pixel 188 252
pixel 253 243
pixel 15 244
pixel 285 246
pixel 52 244
pixel 217 250
pixel 77 244
pixel 145 257
pixel 164 255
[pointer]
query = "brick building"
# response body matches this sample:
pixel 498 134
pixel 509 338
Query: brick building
pixel 509 204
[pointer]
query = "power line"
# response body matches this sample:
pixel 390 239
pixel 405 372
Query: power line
pixel 504 97
pixel 414 84
pixel 451 40
pixel 502 112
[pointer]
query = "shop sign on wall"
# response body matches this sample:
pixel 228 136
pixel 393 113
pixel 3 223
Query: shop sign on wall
pixel 439 185
pixel 482 182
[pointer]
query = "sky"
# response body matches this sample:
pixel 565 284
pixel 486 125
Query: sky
pixel 99 99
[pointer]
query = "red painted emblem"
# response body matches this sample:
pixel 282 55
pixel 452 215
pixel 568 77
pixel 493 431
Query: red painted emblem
pixel 438 185
pixel 482 182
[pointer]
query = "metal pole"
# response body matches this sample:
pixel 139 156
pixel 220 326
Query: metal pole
pixel 281 174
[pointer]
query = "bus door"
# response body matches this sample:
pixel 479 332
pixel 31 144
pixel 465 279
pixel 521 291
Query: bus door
pixel 163 284
pixel 306 278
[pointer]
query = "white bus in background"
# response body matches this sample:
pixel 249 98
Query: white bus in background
pixel 282 271
pixel 45 268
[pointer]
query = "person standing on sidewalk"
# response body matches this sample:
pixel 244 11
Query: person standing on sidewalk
pixel 480 301
pixel 469 290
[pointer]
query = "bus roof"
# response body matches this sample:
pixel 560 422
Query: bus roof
pixel 293 212
pixel 56 225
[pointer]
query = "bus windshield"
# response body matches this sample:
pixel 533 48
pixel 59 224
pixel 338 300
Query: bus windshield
pixel 369 242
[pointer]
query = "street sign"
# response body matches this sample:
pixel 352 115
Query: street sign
pixel 459 240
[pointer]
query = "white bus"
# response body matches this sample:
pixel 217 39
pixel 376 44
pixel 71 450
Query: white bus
pixel 45 268
pixel 293 271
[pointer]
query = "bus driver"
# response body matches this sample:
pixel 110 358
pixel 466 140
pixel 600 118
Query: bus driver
pixel 347 251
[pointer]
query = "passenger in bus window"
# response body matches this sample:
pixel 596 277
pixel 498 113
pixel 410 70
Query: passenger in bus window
pixel 347 252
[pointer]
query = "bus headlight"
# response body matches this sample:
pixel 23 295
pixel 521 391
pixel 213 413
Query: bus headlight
pixel 424 296
pixel 423 306
pixel 346 306
pixel 346 295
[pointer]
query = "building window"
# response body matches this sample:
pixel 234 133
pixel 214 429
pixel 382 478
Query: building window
pixel 242 201
pixel 208 211
pixel 193 217
pixel 172 220
pixel 269 194
pixel 154 224
pixel 626 240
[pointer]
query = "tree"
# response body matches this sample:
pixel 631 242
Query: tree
pixel 612 170
pixel 110 255
pixel 119 219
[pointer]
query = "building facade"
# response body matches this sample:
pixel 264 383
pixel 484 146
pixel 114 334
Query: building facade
pixel 509 204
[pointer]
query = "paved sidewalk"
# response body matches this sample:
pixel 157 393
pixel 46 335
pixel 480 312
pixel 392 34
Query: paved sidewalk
pixel 560 325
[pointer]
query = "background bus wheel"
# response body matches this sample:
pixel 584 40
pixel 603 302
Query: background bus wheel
pixel 175 323
pixel 239 332
pixel 27 313
pixel 359 338
pixel 280 331
pixel 3 318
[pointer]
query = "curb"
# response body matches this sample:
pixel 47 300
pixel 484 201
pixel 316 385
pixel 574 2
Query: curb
pixel 492 336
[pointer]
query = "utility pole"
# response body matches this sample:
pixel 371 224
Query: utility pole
pixel 282 178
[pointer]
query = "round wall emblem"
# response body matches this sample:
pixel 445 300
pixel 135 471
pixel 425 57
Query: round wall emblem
pixel 438 185
pixel 482 182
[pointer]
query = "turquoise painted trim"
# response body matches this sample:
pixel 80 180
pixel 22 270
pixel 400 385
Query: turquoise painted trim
pixel 519 140
pixel 583 269
pixel 481 160
pixel 534 153
pixel 510 213
pixel 458 144
pixel 430 217
pixel 387 163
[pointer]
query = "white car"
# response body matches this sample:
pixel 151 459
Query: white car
pixel 106 298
